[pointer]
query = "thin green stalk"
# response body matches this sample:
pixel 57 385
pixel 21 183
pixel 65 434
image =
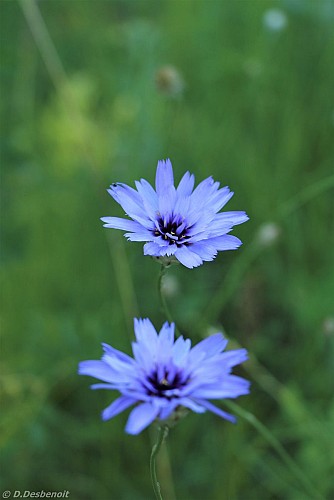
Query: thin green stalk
pixel 295 470
pixel 163 432
pixel 124 281
pixel 44 42
pixel 62 85
pixel 241 265
pixel 57 73
pixel 306 195
pixel 230 284
pixel 163 303
pixel 164 462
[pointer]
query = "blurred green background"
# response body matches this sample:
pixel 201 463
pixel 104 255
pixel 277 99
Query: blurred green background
pixel 95 92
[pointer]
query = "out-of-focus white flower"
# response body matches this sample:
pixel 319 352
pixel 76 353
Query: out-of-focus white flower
pixel 328 325
pixel 170 285
pixel 268 234
pixel 275 20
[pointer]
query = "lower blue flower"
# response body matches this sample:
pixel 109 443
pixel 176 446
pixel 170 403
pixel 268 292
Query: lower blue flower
pixel 167 375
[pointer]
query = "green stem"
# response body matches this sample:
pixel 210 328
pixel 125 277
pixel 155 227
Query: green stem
pixel 163 432
pixel 44 42
pixel 295 470
pixel 58 76
pixel 231 282
pixel 163 303
pixel 124 281
pixel 306 195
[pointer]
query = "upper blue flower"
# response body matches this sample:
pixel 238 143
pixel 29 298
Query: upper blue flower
pixel 166 375
pixel 179 223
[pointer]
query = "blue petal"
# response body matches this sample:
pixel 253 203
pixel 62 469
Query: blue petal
pixel 226 242
pixel 164 176
pixel 144 350
pixel 200 197
pixel 182 204
pixel 131 202
pixel 149 197
pixel 142 235
pixel 168 409
pixel 110 387
pixel 220 199
pixel 231 386
pixel 168 251
pixel 218 226
pixel 212 345
pixel 164 351
pixel 201 192
pixel 122 371
pixel 137 392
pixel 167 333
pixel 97 369
pixel 119 405
pixel 145 331
pixel 181 349
pixel 154 249
pixel 192 405
pixel 123 190
pixel 108 349
pixel 188 258
pixel 235 357
pixel 206 251
pixel 167 201
pixel 119 223
pixel 142 416
pixel 186 185
pixel 145 355
pixel 235 218
pixel 214 409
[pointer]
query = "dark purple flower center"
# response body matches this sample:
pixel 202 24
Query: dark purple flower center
pixel 172 229
pixel 165 383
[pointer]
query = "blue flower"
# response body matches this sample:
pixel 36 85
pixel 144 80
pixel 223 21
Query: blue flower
pixel 177 223
pixel 166 376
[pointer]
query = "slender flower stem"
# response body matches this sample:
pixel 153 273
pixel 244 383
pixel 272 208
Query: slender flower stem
pixel 58 76
pixel 163 303
pixel 163 432
pixel 304 196
pixel 292 466
pixel 124 282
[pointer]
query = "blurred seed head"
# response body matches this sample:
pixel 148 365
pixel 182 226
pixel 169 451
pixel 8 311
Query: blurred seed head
pixel 169 81
pixel 328 326
pixel 170 285
pixel 275 20
pixel 268 234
